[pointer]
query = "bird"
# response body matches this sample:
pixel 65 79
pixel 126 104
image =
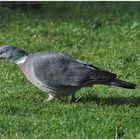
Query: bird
pixel 58 74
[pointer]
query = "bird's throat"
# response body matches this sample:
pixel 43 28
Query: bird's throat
pixel 21 60
pixel 18 57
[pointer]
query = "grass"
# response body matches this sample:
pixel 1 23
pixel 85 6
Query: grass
pixel 105 34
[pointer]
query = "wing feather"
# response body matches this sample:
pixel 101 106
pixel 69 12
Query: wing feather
pixel 60 70
pixel 57 69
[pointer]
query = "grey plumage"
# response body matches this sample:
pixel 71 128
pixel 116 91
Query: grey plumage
pixel 57 69
pixel 61 75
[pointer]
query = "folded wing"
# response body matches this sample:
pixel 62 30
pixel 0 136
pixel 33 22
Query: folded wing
pixel 56 69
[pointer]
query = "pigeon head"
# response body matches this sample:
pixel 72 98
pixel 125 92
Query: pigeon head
pixel 11 53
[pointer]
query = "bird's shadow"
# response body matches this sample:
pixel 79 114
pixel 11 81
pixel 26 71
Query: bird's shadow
pixel 94 98
pixel 131 100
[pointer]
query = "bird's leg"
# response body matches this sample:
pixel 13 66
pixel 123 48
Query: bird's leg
pixel 51 97
pixel 73 98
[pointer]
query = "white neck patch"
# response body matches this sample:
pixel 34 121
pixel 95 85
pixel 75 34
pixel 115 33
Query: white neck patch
pixel 21 60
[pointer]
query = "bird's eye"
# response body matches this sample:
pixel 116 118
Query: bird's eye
pixel 5 51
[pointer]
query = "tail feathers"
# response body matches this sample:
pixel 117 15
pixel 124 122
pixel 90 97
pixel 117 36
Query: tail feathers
pixel 123 84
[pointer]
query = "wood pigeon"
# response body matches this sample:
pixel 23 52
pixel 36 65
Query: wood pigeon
pixel 59 74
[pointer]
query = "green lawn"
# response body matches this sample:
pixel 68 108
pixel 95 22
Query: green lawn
pixel 106 34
